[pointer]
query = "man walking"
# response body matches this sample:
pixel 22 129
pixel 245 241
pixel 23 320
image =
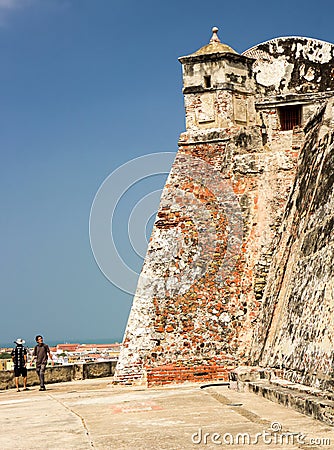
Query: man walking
pixel 19 357
pixel 41 353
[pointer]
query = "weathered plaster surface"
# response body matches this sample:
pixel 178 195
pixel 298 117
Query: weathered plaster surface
pixel 299 299
pixel 293 65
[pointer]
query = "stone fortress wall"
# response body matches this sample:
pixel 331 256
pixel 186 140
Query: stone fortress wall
pixel 300 288
pixel 238 268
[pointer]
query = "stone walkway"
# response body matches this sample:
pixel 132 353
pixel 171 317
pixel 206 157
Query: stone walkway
pixel 94 414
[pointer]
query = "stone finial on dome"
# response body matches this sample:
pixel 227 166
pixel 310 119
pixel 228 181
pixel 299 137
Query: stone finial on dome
pixel 214 37
pixel 213 47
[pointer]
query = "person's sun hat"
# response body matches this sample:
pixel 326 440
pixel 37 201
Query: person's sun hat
pixel 20 341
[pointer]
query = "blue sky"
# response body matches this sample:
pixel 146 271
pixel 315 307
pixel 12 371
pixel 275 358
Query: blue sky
pixel 85 86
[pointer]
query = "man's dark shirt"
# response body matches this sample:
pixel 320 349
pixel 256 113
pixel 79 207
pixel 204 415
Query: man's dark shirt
pixel 41 353
pixel 18 354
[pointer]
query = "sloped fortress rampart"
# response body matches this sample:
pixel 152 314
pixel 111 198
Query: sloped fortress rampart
pixel 239 266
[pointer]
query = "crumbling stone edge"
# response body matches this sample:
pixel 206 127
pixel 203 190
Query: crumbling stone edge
pixel 304 399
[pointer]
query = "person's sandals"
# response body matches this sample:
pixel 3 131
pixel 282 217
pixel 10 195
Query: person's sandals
pixel 26 389
pixel 17 390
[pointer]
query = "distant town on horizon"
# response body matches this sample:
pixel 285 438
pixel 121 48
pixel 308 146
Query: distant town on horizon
pixel 55 342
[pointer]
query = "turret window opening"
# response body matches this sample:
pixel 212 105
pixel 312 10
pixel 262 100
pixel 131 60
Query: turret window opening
pixel 290 117
pixel 207 81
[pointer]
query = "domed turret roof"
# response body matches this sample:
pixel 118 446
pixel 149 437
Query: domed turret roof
pixel 214 46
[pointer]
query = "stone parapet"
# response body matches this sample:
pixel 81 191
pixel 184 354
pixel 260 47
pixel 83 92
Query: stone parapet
pixel 59 374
